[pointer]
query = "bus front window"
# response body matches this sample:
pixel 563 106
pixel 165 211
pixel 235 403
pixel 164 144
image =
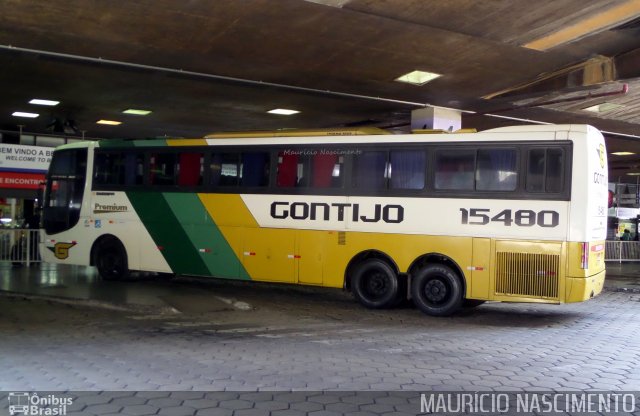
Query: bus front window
pixel 64 190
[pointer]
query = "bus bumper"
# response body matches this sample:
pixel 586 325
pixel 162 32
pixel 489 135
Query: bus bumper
pixel 582 288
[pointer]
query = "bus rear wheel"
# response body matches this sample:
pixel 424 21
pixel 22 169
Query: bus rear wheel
pixel 111 260
pixel 436 290
pixel 375 284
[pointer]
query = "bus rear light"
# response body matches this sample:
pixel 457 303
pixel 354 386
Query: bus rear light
pixel 584 256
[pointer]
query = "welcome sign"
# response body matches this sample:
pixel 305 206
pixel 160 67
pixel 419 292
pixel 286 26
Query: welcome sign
pixel 23 167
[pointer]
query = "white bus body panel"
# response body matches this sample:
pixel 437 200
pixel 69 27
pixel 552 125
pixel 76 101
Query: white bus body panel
pixel 426 216
pixel 589 196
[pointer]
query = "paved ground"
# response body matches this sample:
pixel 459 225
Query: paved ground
pixel 235 337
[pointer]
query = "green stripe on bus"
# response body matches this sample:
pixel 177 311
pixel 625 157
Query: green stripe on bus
pixel 150 143
pixel 205 235
pixel 115 143
pixel 168 233
pixel 120 143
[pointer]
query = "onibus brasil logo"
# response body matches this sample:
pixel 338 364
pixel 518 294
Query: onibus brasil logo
pixel 32 404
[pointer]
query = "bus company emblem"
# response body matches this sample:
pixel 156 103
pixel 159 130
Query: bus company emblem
pixel 61 250
pixel 602 154
pixel 102 209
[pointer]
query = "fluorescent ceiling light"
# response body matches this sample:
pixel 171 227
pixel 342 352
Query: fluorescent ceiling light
pixel 622 153
pixel 593 24
pixel 136 112
pixel 602 108
pixel 417 77
pixel 633 173
pixel 22 114
pixel 38 101
pixel 283 111
pixel 109 122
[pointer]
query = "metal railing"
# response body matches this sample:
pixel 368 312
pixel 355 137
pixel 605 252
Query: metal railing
pixel 19 246
pixel 622 251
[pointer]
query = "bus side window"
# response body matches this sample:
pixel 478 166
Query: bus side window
pixel 326 171
pixel 454 170
pixel 190 169
pixel 254 169
pixel 496 170
pixel 163 169
pixel 535 170
pixel 215 169
pixel 555 168
pixel 407 169
pixel 370 170
pixel 106 168
pixel 287 170
pixel 545 170
pixel 225 169
pixel 133 167
pixel 293 170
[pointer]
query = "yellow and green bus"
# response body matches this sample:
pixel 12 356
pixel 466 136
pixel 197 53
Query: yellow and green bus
pixel 515 214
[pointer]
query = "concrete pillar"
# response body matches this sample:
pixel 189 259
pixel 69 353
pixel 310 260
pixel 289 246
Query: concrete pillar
pixel 436 118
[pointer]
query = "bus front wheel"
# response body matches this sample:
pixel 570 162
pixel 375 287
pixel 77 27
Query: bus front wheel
pixel 375 284
pixel 436 290
pixel 111 260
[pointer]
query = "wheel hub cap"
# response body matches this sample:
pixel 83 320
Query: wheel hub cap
pixel 435 291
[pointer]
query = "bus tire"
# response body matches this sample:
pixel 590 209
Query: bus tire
pixel 111 260
pixel 375 284
pixel 436 290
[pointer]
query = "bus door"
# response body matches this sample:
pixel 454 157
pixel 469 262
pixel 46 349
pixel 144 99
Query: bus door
pixel 310 249
pixel 269 254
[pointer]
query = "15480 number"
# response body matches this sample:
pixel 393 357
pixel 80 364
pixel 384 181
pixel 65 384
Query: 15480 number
pixel 521 217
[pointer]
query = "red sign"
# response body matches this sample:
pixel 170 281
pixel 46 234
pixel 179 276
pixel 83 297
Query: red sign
pixel 20 180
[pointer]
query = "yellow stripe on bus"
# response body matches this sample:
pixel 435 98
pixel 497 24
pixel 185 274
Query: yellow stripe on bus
pixel 186 142
pixel 228 210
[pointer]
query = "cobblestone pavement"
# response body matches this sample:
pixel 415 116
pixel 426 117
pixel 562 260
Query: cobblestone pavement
pixel 311 340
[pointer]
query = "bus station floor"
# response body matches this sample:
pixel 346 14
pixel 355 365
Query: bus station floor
pixel 163 344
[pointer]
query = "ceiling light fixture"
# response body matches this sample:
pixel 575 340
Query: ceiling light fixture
pixel 23 114
pixel 622 153
pixel 602 108
pixel 595 23
pixel 633 173
pixel 39 101
pixel 417 77
pixel 109 122
pixel 136 112
pixel 283 111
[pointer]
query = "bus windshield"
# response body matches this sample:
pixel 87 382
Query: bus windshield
pixel 64 190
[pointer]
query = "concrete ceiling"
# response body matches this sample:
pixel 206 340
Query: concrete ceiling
pixel 217 65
